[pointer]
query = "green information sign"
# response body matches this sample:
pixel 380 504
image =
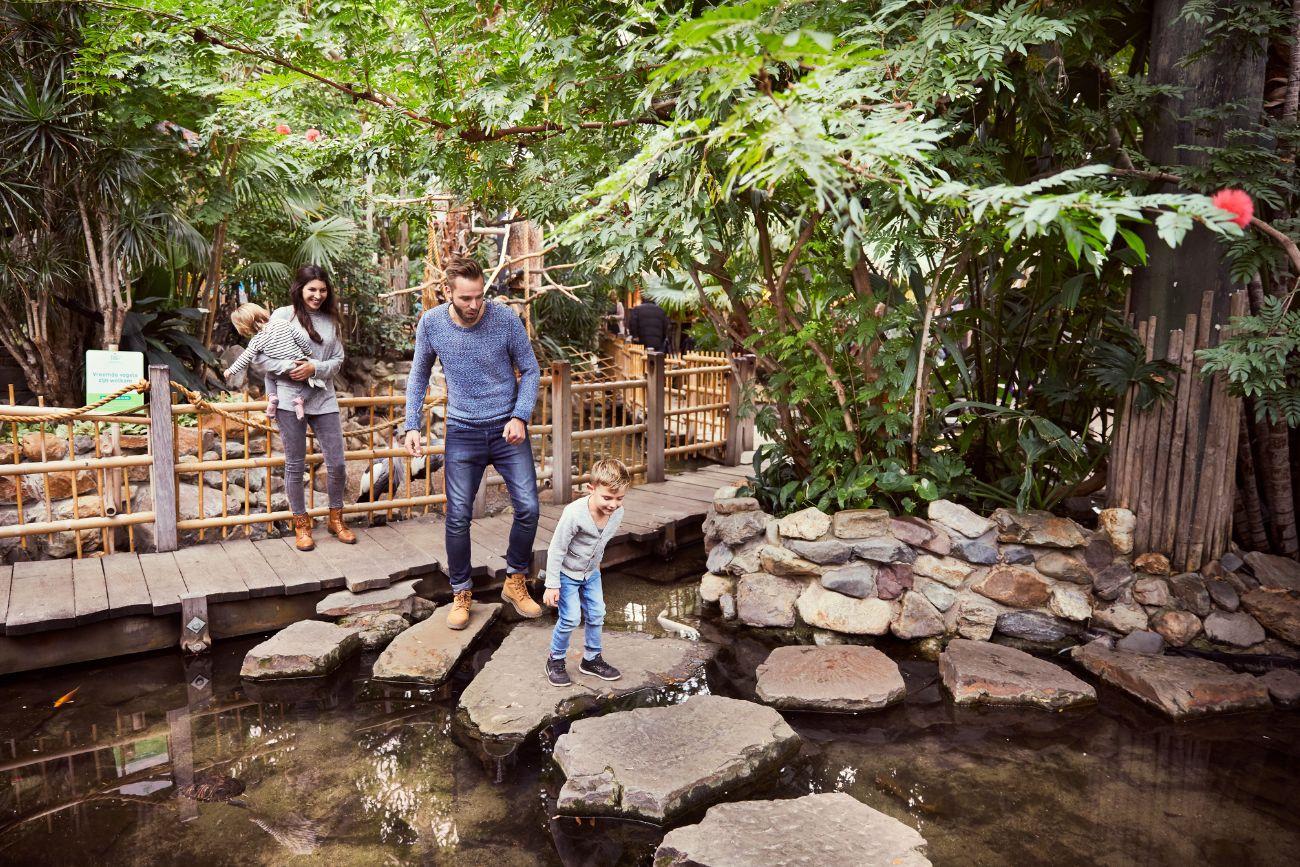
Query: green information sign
pixel 106 372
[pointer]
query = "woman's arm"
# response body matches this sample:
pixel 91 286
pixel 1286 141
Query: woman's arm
pixel 326 367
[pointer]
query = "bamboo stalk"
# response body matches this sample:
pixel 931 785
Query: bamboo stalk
pixel 1192 450
pixel 1163 507
pixel 41 528
pixel 33 467
pixel 1175 479
pixel 315 512
pixel 1147 466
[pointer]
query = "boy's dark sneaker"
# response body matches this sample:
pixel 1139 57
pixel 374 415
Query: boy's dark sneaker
pixel 556 673
pixel 598 667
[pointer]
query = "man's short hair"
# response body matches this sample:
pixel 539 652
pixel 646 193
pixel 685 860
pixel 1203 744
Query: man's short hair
pixel 610 473
pixel 465 268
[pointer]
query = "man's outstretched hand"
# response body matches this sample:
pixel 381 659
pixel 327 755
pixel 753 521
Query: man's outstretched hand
pixel 413 443
pixel 516 431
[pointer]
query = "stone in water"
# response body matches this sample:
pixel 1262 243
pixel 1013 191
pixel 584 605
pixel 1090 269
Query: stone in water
pixel 846 678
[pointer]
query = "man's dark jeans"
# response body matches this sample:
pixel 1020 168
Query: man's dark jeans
pixel 470 449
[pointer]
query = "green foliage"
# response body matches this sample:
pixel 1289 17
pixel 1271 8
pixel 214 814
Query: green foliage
pixel 164 332
pixel 1261 359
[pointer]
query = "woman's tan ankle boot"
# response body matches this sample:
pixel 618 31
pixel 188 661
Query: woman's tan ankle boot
pixel 338 529
pixel 302 533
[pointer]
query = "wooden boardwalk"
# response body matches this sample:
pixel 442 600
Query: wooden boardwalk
pixel 59 611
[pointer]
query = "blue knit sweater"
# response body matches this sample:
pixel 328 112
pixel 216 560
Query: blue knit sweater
pixel 479 364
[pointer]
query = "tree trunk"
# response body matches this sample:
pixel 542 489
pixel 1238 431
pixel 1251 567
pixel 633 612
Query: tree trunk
pixel 1250 530
pixel 213 281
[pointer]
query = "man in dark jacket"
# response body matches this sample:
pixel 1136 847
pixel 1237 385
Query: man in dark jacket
pixel 649 326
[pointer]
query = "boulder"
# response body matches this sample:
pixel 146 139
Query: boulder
pixel 1277 611
pixel 36 446
pixel 1238 629
pixel 783 562
pixel 832 829
pixel 714 587
pixel 1177 686
pixel 917 618
pixel 1230 562
pixel 192 441
pixel 656 763
pixel 918 533
pixel 747 558
pixel 1016 586
pixel 958 518
pixel 1099 553
pixel 1038 528
pixel 1109 581
pixel 1152 563
pixel 861 523
pixel 826 609
pixel 308 648
pixel 1190 592
pixel 732 505
pixel 884 549
pixel 1018 555
pixel 976 672
pixel 763 599
pixel 396 598
pixel 726 492
pixel 857 580
pixel 1283 685
pixel 375 630
pixel 945 570
pixel 893 580
pixel 972 617
pixel 982 550
pixel 1223 594
pixel 1118 525
pixel 826 552
pixel 810 524
pixel 1063 566
pixel 1176 627
pixel 1142 641
pixel 1274 572
pixel 733 530
pixel 940 595
pixel 510 698
pixel 64 485
pixel 1069 602
pixel 845 678
pixel 1036 626
pixel 1122 617
pixel 427 652
pixel 1151 591
pixel 719 558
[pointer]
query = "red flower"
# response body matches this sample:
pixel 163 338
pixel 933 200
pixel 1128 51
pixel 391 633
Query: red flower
pixel 1237 203
pixel 312 134
pixel 283 128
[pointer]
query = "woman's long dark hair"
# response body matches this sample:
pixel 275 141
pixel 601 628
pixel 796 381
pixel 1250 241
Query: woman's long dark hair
pixel 301 311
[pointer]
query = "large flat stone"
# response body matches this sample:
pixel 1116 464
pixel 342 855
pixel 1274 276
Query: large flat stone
pixel 656 763
pixel 959 518
pixel 1177 686
pixel 846 678
pixel 827 609
pixel 1037 528
pixel 827 830
pixel 428 651
pixel 766 600
pixel 1277 610
pixel 308 648
pixel 1016 586
pixel 810 523
pixel 342 603
pixel 976 672
pixel 511 698
pixel 1274 572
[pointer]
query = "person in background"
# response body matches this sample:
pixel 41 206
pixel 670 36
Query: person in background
pixel 649 326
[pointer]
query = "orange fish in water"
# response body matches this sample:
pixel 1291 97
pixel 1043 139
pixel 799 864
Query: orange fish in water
pixel 66 697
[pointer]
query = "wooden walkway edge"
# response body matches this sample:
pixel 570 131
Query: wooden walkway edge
pixel 54 612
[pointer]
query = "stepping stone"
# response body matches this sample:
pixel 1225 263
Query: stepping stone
pixel 846 678
pixel 1178 686
pixel 511 698
pixel 375 628
pixel 977 672
pixel 825 830
pixel 657 763
pixel 308 648
pixel 343 603
pixel 428 651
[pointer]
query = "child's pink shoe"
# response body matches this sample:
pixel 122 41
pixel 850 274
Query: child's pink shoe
pixel 272 404
pixel 297 407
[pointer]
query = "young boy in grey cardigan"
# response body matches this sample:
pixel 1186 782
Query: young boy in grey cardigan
pixel 573 571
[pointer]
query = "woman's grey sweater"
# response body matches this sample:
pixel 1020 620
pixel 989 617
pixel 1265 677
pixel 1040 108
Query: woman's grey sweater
pixel 578 545
pixel 327 356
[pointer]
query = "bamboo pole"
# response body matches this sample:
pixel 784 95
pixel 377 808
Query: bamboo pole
pixel 1192 450
pixel 68 525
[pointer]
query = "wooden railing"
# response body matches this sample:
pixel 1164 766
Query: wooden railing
pixel 214 470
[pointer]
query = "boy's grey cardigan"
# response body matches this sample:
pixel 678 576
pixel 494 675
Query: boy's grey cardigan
pixel 578 545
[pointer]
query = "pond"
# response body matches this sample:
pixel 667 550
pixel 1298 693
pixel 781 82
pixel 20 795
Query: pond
pixel 348 772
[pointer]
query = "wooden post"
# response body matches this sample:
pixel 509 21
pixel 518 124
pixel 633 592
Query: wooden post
pixel 734 438
pixel 655 428
pixel 561 433
pixel 162 472
pixel 195 636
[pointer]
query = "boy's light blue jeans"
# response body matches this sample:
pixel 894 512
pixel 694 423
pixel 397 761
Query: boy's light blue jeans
pixel 580 602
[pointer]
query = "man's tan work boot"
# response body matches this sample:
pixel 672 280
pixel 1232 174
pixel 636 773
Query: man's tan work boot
pixel 516 593
pixel 302 533
pixel 458 616
pixel 338 529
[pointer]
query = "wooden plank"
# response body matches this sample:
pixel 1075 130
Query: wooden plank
pixel 297 575
pixel 489 541
pixel 686 492
pixel 425 535
pixel 258 575
pixel 165 581
pixel 208 572
pixel 90 594
pixel 670 508
pixel 40 597
pixel 416 560
pixel 695 481
pixel 6 580
pixel 124 580
pixel 366 568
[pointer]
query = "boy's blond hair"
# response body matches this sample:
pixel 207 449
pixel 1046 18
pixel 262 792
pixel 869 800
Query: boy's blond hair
pixel 610 473
pixel 249 318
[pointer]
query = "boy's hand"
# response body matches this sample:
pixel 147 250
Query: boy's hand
pixel 551 597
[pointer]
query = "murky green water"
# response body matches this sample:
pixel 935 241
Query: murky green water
pixel 348 773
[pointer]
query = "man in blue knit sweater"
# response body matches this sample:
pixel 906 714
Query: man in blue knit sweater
pixel 481 345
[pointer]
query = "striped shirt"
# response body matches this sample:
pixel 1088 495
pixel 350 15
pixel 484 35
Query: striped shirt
pixel 278 340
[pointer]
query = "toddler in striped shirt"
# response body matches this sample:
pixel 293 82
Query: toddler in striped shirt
pixel 273 340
